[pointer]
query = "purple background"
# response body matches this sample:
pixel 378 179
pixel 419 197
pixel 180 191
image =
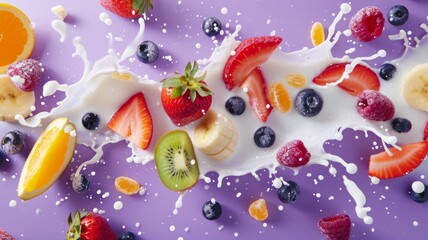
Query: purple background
pixel 392 209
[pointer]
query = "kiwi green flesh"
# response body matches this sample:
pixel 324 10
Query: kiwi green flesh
pixel 173 158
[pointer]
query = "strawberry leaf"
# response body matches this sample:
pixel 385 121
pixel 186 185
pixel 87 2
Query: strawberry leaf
pixel 192 96
pixel 173 82
pixel 176 92
pixel 194 70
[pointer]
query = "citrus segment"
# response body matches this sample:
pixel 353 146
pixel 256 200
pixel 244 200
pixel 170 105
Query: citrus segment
pixel 258 210
pixel 126 185
pixel 296 80
pixel 279 97
pixel 317 34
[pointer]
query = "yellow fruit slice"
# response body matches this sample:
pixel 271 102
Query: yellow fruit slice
pixel 48 159
pixel 317 34
pixel 258 210
pixel 279 97
pixel 296 80
pixel 16 36
pixel 126 185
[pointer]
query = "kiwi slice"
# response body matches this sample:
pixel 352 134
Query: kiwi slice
pixel 176 161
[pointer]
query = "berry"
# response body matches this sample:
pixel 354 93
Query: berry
pixel 308 102
pixel 211 26
pixel 255 87
pixel 13 142
pixel 372 105
pixel 288 192
pixel 367 24
pixel 398 15
pixel 89 226
pixel 147 52
pixel 26 74
pixel 387 71
pixel 293 154
pixel 264 137
pixel 5 235
pixel 235 105
pixel 419 192
pixel 91 121
pixel 211 210
pixel 127 8
pixel 3 157
pixel 81 183
pixel 337 227
pixel 401 125
pixel 127 236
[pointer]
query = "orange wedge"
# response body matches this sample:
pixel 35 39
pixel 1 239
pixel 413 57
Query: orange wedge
pixel 126 185
pixel 296 80
pixel 279 97
pixel 48 159
pixel 258 210
pixel 317 34
pixel 16 36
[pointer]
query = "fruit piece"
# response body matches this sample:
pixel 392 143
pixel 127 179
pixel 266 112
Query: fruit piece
pixel 414 87
pixel 126 185
pixel 258 210
pixel 400 163
pixel 361 78
pixel 91 121
pixel 398 15
pixel 186 98
pixel 127 8
pixel 255 87
pixel 235 105
pixel 296 80
pixel 48 159
pixel 80 183
pixel 133 121
pixel 59 11
pixel 308 102
pixel 26 74
pixel 89 226
pixel 317 33
pixel 211 26
pixel 293 154
pixel 147 52
pixel 127 236
pixel 337 227
pixel 288 192
pixel 387 71
pixel 279 97
pixel 367 24
pixel 14 101
pixel 17 36
pixel 401 125
pixel 264 137
pixel 419 192
pixel 5 235
pixel 250 53
pixel 426 132
pixel 3 157
pixel 215 135
pixel 176 161
pixel 211 210
pixel 13 142
pixel 373 105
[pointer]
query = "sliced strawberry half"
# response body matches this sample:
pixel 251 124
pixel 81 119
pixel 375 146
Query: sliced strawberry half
pixel 248 55
pixel 400 163
pixel 133 121
pixel 426 132
pixel 255 87
pixel 360 79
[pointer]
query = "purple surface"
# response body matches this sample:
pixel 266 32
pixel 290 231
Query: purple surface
pixel 392 209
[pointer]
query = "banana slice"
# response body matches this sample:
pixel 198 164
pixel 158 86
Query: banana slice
pixel 216 136
pixel 13 101
pixel 415 87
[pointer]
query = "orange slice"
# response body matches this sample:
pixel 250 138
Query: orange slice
pixel 16 36
pixel 126 185
pixel 296 80
pixel 279 97
pixel 258 210
pixel 317 34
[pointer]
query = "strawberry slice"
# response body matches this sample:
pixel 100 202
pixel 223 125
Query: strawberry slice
pixel 255 87
pixel 360 79
pixel 248 55
pixel 426 132
pixel 400 163
pixel 133 121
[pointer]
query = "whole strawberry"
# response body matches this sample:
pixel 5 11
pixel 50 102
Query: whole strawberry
pixel 5 236
pixel 26 74
pixel 186 98
pixel 89 226
pixel 127 8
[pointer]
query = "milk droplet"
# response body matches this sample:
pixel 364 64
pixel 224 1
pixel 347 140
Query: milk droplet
pixel 223 10
pixel 12 203
pixel 418 187
pixel 117 205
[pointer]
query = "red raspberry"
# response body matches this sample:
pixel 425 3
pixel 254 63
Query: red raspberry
pixel 372 105
pixel 26 74
pixel 337 227
pixel 293 154
pixel 5 236
pixel 367 24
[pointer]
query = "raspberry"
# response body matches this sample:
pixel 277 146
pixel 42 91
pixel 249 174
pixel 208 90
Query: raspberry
pixel 367 24
pixel 26 74
pixel 5 236
pixel 337 227
pixel 293 154
pixel 372 105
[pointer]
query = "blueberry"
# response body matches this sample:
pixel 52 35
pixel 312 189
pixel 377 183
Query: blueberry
pixel 211 26
pixel 264 137
pixel 308 102
pixel 3 157
pixel 387 71
pixel 398 15
pixel 80 183
pixel 91 121
pixel 127 236
pixel 288 192
pixel 401 125
pixel 235 105
pixel 420 197
pixel 147 52
pixel 13 142
pixel 211 210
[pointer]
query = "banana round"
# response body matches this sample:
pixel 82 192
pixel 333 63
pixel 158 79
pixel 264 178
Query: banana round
pixel 415 87
pixel 13 101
